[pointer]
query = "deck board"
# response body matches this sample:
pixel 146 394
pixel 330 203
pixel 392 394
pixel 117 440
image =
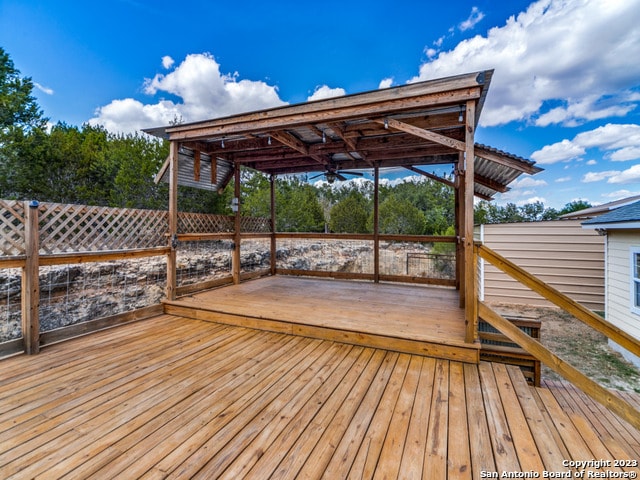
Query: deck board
pixel 172 397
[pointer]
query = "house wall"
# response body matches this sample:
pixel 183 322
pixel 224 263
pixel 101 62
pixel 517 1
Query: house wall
pixel 618 310
pixel 560 253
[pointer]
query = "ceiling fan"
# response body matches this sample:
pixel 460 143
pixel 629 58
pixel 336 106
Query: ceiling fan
pixel 332 174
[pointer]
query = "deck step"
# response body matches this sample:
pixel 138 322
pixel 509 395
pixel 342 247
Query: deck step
pixel 437 348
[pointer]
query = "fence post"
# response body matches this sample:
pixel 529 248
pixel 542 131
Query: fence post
pixel 31 281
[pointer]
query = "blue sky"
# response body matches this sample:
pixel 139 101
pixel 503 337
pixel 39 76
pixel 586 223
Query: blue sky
pixel 565 92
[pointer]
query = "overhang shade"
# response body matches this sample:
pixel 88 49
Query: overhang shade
pixel 415 125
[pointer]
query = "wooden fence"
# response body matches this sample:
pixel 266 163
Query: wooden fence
pixel 559 252
pixel 36 236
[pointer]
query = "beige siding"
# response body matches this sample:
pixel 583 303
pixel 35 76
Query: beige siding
pixel 560 253
pixel 619 313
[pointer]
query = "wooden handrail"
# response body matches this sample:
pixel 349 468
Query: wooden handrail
pixel 535 348
pixel 558 298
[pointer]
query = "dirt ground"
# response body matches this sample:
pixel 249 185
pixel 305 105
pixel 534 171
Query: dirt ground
pixel 581 346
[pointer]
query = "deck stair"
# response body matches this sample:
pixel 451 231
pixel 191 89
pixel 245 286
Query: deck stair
pixel 496 347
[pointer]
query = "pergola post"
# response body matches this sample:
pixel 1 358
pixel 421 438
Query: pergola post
pixel 30 280
pixel 470 278
pixel 272 261
pixel 173 220
pixel 459 226
pixel 376 225
pixel 235 260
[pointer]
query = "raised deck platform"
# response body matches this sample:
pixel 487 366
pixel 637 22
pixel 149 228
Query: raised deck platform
pixel 404 318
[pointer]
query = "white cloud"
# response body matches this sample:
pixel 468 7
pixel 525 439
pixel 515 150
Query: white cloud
pixel 548 53
pixel 431 52
pixel 167 62
pixel 528 182
pixel 324 91
pixel 558 152
pixel 630 175
pixel 620 194
pixel 591 162
pixel 621 142
pixel 474 18
pixel 204 93
pixel 385 83
pixel 598 176
pixel 531 200
pixel 43 89
pixel 587 109
pixel 563 179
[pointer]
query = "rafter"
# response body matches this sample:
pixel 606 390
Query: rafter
pixel 295 143
pixel 349 141
pixel 422 133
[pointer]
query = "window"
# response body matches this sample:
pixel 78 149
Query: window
pixel 635 280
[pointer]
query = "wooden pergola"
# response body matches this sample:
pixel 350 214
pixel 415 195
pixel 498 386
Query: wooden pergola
pixel 421 124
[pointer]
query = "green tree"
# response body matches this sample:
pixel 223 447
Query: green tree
pixel 256 194
pixel 399 217
pixel 135 161
pixel 350 215
pixel 20 116
pixel 574 206
pixel 434 199
pixel 297 207
pixel 18 107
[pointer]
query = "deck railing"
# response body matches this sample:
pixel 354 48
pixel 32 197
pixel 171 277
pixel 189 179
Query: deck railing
pixel 546 356
pixel 70 269
pixel 394 258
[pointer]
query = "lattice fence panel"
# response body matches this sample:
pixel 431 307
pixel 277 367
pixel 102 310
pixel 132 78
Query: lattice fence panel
pixel 204 223
pixel 255 225
pixel 79 228
pixel 11 227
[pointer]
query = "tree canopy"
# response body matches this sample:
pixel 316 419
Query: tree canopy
pixel 18 107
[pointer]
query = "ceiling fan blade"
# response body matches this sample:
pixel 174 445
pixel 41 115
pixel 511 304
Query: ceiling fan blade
pixel 340 177
pixel 316 176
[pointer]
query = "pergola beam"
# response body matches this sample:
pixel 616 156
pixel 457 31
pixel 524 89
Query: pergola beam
pixel 331 110
pixel 422 133
pixel 444 180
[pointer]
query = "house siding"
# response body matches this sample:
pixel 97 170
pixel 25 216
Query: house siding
pixel 560 253
pixel 619 244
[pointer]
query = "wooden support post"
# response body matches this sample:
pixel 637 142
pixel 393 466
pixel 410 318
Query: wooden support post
pixel 470 276
pixel 460 223
pixel 214 171
pixel 173 221
pixel 235 261
pixel 31 281
pixel 273 250
pixel 376 225
pixel 196 166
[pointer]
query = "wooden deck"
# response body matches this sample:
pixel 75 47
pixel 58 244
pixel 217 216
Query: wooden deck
pixel 404 318
pixel 171 397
